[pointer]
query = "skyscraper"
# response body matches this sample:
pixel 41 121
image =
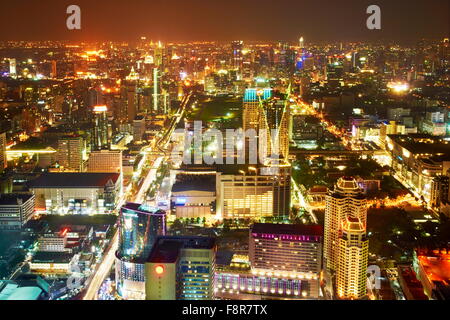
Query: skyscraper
pixel 101 139
pixel 251 106
pixel 3 160
pixel 353 247
pixel 12 68
pixel 237 63
pixel 181 268
pixel 274 119
pixel 347 200
pixel 139 227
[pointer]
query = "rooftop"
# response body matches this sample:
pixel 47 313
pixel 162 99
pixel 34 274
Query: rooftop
pixel 74 180
pixel 195 183
pixel 8 199
pixel 291 229
pixel 166 249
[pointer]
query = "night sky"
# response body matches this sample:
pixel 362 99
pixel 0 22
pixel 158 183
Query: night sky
pixel 184 20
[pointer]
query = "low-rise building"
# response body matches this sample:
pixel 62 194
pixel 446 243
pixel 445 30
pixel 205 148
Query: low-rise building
pixel 15 210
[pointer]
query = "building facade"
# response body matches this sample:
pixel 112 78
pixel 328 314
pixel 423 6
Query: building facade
pixel 139 227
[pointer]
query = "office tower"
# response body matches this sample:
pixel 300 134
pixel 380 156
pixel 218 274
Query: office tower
pixel 54 72
pixel 301 43
pixel 15 210
pixel 353 246
pixel 289 251
pixel 105 161
pixel 252 100
pixel 3 159
pixel 12 68
pixel 139 227
pixel 158 56
pixel 347 200
pixel 155 89
pixel 253 195
pixel 101 139
pixel 70 153
pixel 274 121
pixel 129 100
pixel 181 268
pixel 236 47
pixel 138 128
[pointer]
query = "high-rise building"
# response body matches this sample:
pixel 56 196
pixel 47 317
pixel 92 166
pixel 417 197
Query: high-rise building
pixel 251 106
pixel 12 68
pixel 236 47
pixel 290 251
pixel 139 227
pixel 347 200
pixel 70 153
pixel 274 121
pixel 101 137
pixel 351 272
pixel 181 268
pixel 138 128
pixel 105 161
pixel 3 159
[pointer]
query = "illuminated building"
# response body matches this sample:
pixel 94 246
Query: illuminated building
pixel 289 251
pixel 53 242
pixel 76 193
pixel 274 119
pixel 105 161
pixel 254 195
pixel 15 210
pixel 439 191
pixel 138 128
pixel 353 253
pixel 70 154
pixel 194 196
pixel 236 47
pixel 101 128
pixel 417 159
pixel 12 68
pixel 347 200
pixel 52 263
pixel 432 267
pixel 139 227
pixel 3 159
pixel 251 106
pixel 181 268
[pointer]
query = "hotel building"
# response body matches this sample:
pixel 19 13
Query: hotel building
pixel 351 272
pixel 347 199
pixel 287 251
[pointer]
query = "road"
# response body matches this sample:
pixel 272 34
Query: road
pixel 103 269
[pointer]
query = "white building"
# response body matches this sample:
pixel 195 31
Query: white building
pixel 15 210
pixel 351 273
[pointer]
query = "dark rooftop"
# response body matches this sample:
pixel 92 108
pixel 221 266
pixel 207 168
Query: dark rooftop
pixel 195 183
pixel 293 229
pixel 56 257
pixel 166 249
pixel 73 180
pixel 8 199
